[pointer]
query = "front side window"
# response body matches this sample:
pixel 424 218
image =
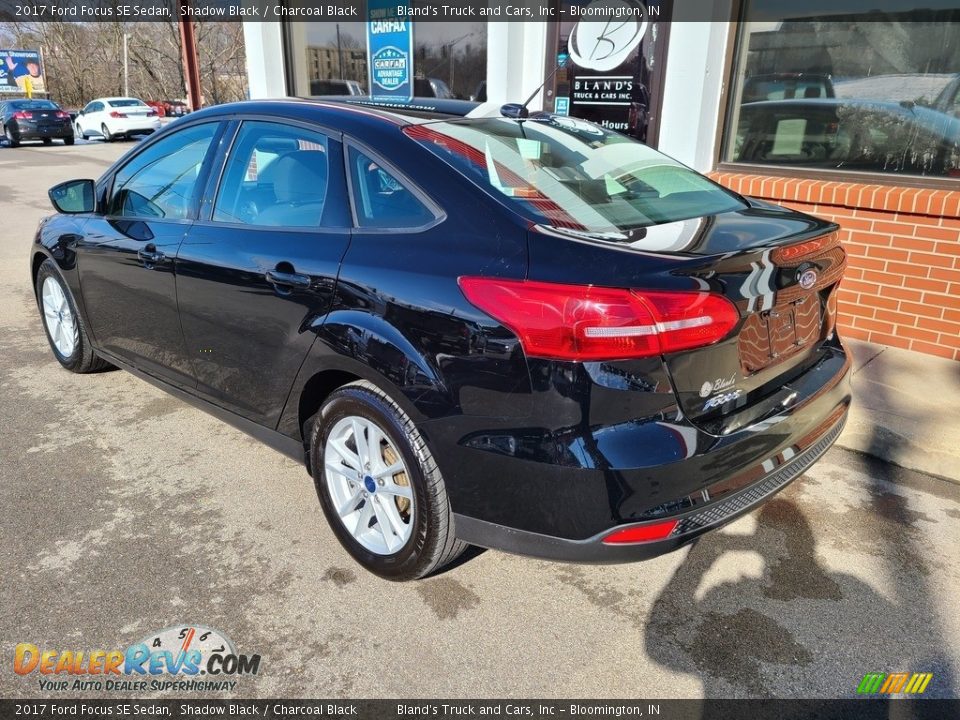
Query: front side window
pixel 852 90
pixel 572 174
pixel 380 199
pixel 277 176
pixel 159 183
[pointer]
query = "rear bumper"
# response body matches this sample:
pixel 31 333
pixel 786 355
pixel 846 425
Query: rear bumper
pixel 607 476
pixel 36 132
pixel 689 526
pixel 134 127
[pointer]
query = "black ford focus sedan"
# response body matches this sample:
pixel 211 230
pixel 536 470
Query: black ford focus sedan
pixel 524 333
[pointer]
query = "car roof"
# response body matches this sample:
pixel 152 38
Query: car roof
pixel 362 118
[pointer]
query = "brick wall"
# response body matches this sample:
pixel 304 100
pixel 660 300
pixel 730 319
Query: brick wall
pixel 902 287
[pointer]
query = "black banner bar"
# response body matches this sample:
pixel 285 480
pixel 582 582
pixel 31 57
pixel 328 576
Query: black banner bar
pixel 851 709
pixel 44 11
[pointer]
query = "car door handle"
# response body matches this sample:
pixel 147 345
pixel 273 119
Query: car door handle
pixel 150 254
pixel 288 279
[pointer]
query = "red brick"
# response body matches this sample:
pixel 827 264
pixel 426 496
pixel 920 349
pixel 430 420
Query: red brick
pixel 887 253
pixel 932 259
pixel 908 269
pixel 882 302
pixel 897 318
pixel 945 274
pixel 894 228
pixel 856 249
pixel 877 215
pixel 860 311
pixel 953 315
pixel 931 349
pixel 873 325
pixel 929 286
pixel 853 333
pixel 881 277
pixel 918 309
pixel 855 223
pixel 891 340
pixel 900 293
pixel 860 287
pixel 870 264
pixel 945 301
pixel 871 238
pixel 951 248
pixel 941 326
pixel 950 340
pixel 917 334
pixel 911 243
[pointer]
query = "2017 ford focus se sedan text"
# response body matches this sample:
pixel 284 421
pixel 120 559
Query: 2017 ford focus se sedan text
pixel 530 334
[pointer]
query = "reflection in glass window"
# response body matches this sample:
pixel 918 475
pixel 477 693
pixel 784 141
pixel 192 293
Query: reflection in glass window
pixel 276 176
pixel 450 58
pixel 159 183
pixel 857 91
pixel 382 201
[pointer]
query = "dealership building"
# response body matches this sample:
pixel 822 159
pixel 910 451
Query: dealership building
pixel 832 108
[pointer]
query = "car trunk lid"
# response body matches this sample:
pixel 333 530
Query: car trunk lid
pixel 779 267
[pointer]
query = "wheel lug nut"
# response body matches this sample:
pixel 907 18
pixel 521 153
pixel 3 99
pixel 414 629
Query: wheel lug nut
pixel 365 495
pixel 380 482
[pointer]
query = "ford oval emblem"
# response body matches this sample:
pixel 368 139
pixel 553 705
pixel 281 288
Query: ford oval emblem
pixel 807 279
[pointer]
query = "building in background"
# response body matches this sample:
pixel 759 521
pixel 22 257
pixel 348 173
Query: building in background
pixel 848 114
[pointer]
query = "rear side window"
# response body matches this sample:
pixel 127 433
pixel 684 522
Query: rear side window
pixel 159 183
pixel 380 199
pixel 277 176
pixel 572 174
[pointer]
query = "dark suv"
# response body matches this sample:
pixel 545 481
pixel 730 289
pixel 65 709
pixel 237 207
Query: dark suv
pixel 522 333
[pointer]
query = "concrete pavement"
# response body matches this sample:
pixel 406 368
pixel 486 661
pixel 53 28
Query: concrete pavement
pixel 127 511
pixel 906 409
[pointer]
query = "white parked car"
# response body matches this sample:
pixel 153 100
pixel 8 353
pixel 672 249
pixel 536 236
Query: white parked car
pixel 116 117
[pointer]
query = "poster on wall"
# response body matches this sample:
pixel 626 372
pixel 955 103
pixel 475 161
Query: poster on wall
pixel 21 72
pixel 390 49
pixel 611 61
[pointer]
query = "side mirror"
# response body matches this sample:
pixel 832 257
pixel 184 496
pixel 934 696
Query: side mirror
pixel 82 112
pixel 73 197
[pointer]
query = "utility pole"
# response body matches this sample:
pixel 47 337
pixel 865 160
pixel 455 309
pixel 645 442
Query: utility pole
pixel 191 63
pixel 126 69
pixel 339 56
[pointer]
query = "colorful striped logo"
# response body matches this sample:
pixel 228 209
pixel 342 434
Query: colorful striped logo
pixel 882 683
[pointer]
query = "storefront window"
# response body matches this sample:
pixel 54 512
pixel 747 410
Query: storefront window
pixel 450 58
pixel 847 90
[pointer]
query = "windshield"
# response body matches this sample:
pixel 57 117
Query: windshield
pixel 567 173
pixel 34 105
pixel 130 102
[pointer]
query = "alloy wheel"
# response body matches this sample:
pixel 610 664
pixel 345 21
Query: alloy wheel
pixel 61 324
pixel 369 485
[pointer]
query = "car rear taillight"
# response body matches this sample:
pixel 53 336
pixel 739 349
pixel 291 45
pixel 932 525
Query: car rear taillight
pixel 22 115
pixel 641 533
pixel 116 114
pixel 62 115
pixel 585 322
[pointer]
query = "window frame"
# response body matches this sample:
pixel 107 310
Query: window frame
pixel 734 60
pixel 225 152
pixel 106 198
pixel 439 215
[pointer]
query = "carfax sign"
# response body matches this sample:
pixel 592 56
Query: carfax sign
pixel 390 50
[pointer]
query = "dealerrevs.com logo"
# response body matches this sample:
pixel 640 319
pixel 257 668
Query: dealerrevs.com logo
pixel 182 658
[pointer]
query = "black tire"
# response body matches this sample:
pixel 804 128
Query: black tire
pixel 432 543
pixel 107 135
pixel 12 141
pixel 69 140
pixel 80 132
pixel 83 359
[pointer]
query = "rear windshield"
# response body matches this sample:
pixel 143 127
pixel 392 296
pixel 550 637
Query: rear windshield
pixel 33 105
pixel 567 173
pixel 126 103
